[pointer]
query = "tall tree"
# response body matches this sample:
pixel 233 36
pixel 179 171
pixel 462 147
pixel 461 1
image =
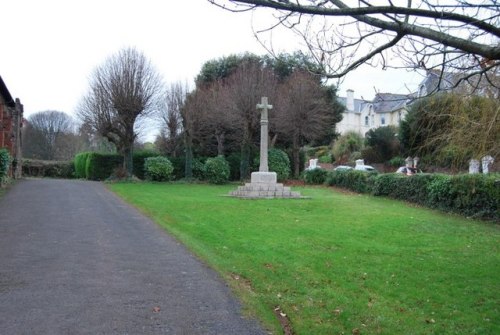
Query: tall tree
pixel 122 90
pixel 303 112
pixel 171 118
pixel 248 83
pixel 454 36
pixel 49 135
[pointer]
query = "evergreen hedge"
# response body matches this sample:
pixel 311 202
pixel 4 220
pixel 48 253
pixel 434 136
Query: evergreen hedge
pixel 80 162
pixel 475 195
pixel 101 166
pixel 138 161
pixel 315 176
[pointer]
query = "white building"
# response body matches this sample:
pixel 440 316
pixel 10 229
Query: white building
pixel 360 116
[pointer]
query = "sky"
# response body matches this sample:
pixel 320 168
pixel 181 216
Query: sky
pixel 50 48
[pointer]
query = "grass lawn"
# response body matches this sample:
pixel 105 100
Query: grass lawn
pixel 338 263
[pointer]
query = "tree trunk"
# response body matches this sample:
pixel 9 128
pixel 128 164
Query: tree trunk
pixel 220 144
pixel 127 160
pixel 296 156
pixel 188 167
pixel 245 153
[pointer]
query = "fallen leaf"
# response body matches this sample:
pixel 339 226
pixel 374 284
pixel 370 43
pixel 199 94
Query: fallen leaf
pixel 356 331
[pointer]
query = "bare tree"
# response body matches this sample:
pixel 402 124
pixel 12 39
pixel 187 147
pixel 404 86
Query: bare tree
pixel 453 36
pixel 171 118
pixel 248 83
pixel 122 90
pixel 303 112
pixel 49 135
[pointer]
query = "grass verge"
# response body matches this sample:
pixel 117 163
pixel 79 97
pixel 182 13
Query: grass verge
pixel 338 263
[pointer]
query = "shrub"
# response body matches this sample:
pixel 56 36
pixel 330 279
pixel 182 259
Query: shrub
pixel 4 164
pixel 138 159
pixel 325 159
pixel 158 168
pixel 315 176
pixel 198 169
pixel 80 162
pixel 397 161
pixel 101 166
pixel 357 181
pixel 217 170
pixel 278 161
pixel 179 164
pixel 234 165
pixel 398 186
pixel 474 195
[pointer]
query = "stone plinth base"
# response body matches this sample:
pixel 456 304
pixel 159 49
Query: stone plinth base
pixel 264 185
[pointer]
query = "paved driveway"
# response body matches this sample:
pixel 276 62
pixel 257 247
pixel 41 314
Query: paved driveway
pixel 75 259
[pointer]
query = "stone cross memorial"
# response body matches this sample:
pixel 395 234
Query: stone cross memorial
pixel 263 184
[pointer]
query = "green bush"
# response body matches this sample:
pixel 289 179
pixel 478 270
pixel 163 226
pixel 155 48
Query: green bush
pixel 234 165
pixel 474 195
pixel 4 163
pixel 357 181
pixel 315 176
pixel 158 168
pixel 51 169
pixel 179 164
pixel 138 159
pixel 397 161
pixel 101 166
pixel 470 195
pixel 198 169
pixel 326 158
pixel 80 163
pixel 217 170
pixel 278 161
pixel 399 186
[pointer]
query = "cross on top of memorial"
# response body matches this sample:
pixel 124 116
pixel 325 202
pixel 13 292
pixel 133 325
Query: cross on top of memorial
pixel 263 107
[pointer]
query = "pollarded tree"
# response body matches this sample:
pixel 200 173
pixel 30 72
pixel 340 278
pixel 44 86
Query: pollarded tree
pixel 122 90
pixel 303 112
pixel 458 36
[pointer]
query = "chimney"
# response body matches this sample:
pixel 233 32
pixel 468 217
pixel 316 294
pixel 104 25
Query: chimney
pixel 350 100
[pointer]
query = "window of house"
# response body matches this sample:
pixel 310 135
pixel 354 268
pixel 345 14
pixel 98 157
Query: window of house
pixel 366 121
pixel 373 120
pixel 382 120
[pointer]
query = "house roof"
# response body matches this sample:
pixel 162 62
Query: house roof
pixel 358 104
pixel 388 102
pixel 4 92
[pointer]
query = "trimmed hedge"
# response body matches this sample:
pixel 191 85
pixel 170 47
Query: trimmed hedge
pixel 158 168
pixel 101 166
pixel 315 176
pixel 51 169
pixel 217 170
pixel 138 161
pixel 357 181
pixel 80 162
pixel 475 195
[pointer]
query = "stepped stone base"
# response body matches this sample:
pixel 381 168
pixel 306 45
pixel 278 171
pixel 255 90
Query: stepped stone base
pixel 264 185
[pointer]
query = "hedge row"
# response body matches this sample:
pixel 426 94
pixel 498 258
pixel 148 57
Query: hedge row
pixel 475 195
pixel 51 169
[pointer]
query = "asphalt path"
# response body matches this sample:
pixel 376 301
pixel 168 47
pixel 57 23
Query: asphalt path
pixel 75 259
